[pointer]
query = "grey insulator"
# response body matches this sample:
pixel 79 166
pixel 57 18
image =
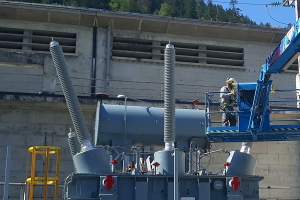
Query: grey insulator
pixel 69 93
pixel 169 97
pixel 72 143
pixel 249 144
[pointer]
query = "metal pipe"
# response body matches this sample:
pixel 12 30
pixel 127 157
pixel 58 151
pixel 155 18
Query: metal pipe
pixel 246 146
pixel 176 188
pixel 210 152
pixel 7 171
pixel 220 112
pixel 70 96
pixel 283 110
pixel 285 120
pixel 278 101
pixel 138 158
pixel 169 97
pixel 94 61
pixel 192 148
pixel 108 55
pixel 287 90
pixel 190 161
pixel 125 125
pixel 197 161
pixel 207 109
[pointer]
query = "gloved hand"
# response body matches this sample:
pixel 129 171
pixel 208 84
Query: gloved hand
pixel 232 97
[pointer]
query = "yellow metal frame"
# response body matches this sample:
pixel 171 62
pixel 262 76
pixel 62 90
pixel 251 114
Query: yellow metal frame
pixel 43 180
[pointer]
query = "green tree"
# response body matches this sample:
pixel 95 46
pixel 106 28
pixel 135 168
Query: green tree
pixel 170 8
pixel 235 9
pixel 221 13
pixel 188 9
pixel 200 9
pixel 209 12
pixel 266 24
pixel 135 6
pixel 155 5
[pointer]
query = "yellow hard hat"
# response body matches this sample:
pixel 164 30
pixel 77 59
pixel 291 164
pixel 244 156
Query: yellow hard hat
pixel 231 81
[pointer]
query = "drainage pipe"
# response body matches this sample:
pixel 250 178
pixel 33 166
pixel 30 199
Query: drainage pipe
pixel 108 55
pixel 94 61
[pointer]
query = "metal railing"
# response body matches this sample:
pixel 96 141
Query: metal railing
pixel 279 106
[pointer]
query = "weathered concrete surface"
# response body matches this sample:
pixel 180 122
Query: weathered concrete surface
pixel 135 78
pixel 35 72
pixel 25 124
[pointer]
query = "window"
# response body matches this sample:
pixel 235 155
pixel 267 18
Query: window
pixel 185 52
pixel 35 40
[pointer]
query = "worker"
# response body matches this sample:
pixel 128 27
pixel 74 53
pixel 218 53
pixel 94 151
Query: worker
pixel 227 99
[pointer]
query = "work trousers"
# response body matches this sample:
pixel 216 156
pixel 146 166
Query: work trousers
pixel 228 119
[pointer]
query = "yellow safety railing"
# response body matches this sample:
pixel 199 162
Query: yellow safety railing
pixel 46 179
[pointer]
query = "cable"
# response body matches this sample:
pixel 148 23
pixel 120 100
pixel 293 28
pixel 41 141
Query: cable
pixel 208 162
pixel 219 153
pixel 272 17
pixel 194 164
pixel 260 4
pixel 251 4
pixel 254 4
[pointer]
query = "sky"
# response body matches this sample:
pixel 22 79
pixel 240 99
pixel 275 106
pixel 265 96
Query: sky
pixel 277 16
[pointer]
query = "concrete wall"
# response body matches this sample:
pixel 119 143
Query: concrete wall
pixel 143 79
pixel 24 124
pixel 32 124
pixel 136 79
pixel 41 76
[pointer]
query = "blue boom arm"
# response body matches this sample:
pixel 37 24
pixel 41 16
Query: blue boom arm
pixel 278 61
pixel 253 100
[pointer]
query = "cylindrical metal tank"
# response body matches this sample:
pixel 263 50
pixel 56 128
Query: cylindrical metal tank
pixel 165 159
pixel 95 161
pixel 241 164
pixel 145 125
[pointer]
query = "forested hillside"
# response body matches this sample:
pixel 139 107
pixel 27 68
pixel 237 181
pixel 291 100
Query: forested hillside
pixel 194 9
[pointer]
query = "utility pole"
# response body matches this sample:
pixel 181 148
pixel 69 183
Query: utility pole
pixel 297 11
pixel 297 8
pixel 296 3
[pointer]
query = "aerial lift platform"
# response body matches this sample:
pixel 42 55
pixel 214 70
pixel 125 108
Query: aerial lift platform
pixel 253 101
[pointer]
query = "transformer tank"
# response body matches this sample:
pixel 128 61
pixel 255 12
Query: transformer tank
pixel 145 125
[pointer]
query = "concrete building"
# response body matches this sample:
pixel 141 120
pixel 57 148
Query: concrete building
pixel 122 53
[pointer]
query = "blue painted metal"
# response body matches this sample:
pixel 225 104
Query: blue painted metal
pixel 96 160
pixel 160 187
pixel 253 100
pixel 166 160
pixel 241 164
pixel 145 125
pixel 284 52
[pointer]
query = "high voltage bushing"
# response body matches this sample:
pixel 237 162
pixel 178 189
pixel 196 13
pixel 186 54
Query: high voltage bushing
pixel 70 95
pixel 169 97
pixel 72 142
pixel 72 145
